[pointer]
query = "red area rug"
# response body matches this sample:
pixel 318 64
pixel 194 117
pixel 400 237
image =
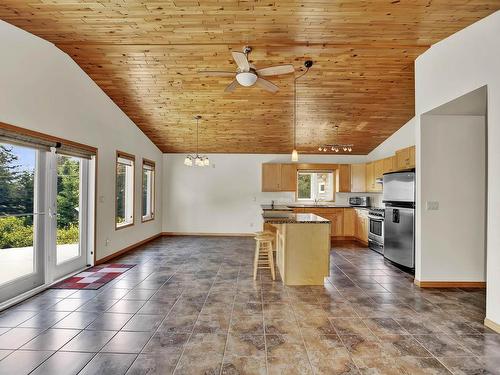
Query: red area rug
pixel 94 277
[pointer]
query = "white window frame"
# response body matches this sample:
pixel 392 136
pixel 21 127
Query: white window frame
pixel 314 183
pixel 128 160
pixel 148 165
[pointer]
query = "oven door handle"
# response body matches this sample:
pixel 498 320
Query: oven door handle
pixel 376 218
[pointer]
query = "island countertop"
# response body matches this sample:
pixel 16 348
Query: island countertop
pixel 271 217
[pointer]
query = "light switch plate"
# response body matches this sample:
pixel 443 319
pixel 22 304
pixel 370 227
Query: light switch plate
pixel 432 205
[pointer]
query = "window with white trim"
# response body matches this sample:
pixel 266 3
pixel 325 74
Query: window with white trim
pixel 315 186
pixel 148 190
pixel 124 215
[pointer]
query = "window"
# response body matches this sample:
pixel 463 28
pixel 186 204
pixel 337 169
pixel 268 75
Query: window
pixel 124 215
pixel 315 186
pixel 148 190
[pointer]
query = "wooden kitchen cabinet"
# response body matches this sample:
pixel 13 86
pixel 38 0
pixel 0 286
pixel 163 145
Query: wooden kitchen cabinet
pixel 374 170
pixel 370 177
pixel 343 178
pixel 362 223
pixel 378 169
pixel 279 177
pixel 288 177
pixel 349 222
pixel 335 215
pixel 358 178
pixel 405 158
pixel 337 221
pixel 389 164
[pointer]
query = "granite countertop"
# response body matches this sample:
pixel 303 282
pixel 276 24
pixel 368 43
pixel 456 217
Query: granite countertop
pixel 291 206
pixel 276 207
pixel 291 218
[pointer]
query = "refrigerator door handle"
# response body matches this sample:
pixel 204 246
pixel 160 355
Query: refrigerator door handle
pixel 395 216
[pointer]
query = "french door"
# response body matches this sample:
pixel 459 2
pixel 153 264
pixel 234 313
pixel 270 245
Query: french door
pixel 22 219
pixel 67 200
pixel 44 217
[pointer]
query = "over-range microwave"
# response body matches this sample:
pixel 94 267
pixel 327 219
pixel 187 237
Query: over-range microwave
pixel 359 201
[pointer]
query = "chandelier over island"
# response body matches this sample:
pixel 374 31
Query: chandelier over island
pixel 197 160
pixel 336 147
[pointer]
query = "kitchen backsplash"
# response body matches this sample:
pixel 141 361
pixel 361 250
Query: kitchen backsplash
pixel 340 198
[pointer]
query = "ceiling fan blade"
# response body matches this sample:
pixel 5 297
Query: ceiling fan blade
pixel 241 60
pixel 275 70
pixel 231 86
pixel 218 74
pixel 266 85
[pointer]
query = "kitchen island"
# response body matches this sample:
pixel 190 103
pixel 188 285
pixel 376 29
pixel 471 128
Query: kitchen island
pixel 302 246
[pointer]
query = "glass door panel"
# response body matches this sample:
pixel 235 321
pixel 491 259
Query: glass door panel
pixel 21 260
pixel 68 227
pixel 68 208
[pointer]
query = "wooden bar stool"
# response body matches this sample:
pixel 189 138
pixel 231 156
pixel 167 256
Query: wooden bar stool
pixel 272 235
pixel 263 253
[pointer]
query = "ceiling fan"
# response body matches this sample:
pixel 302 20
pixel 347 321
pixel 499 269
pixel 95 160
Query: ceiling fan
pixel 247 75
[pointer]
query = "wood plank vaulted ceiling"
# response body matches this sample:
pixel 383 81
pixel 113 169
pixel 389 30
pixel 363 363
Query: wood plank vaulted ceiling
pixel 146 54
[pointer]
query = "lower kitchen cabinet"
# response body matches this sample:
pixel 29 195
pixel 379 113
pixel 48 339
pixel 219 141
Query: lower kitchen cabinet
pixel 349 222
pixel 362 223
pixel 346 223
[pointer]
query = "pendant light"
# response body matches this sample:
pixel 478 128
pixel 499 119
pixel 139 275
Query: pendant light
pixel 197 160
pixel 295 154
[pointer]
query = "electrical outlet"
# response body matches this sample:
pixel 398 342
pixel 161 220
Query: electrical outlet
pixel 108 241
pixel 432 205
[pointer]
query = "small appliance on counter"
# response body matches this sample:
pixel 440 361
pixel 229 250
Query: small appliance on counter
pixel 359 201
pixel 399 221
pixel 376 229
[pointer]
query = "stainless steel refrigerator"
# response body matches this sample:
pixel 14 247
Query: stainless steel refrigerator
pixel 399 219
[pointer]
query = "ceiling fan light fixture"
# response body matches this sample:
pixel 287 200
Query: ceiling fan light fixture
pixel 246 79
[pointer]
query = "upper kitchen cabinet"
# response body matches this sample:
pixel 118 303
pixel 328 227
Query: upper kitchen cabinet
pixel 374 170
pixel 343 178
pixel 378 168
pixel 389 164
pixel 358 178
pixel 279 177
pixel 370 177
pixel 405 158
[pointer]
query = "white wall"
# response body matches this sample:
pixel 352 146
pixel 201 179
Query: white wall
pixel 453 163
pixel 226 197
pixel 43 89
pixel 453 67
pixel 402 138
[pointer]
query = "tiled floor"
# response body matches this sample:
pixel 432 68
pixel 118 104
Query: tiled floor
pixel 190 306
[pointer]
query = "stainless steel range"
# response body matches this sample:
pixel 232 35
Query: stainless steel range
pixel 376 229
